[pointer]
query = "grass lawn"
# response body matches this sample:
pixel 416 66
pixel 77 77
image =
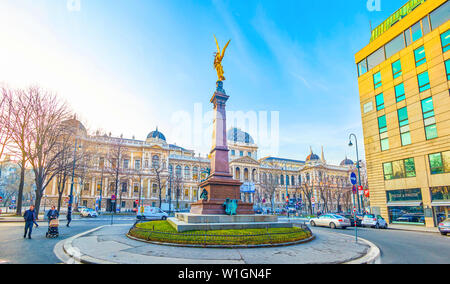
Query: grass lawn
pixel 162 231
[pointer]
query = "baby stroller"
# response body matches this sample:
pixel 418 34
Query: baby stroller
pixel 53 229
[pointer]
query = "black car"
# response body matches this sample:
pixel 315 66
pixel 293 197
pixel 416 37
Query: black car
pixel 352 220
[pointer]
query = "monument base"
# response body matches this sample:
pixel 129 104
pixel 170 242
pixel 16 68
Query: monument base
pixel 184 222
pixel 220 188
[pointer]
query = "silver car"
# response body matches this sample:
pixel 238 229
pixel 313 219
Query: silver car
pixel 331 220
pixel 444 227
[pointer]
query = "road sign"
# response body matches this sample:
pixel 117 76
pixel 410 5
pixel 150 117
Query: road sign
pixel 113 197
pixel 66 200
pixel 354 189
pixel 353 178
pixel 360 188
pixel 366 193
pixel 1 198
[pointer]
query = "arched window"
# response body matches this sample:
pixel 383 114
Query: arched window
pixel 187 173
pixel 178 171
pixel 287 179
pixel 170 169
pixel 300 179
pixel 245 174
pixel 238 173
pixel 254 175
pixel 155 161
pixel 195 173
pixel 293 180
pixel 282 179
pixel 265 177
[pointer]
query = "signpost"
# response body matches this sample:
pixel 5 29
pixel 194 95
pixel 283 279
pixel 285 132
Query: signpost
pixel 353 180
pixel 113 201
pixel 1 198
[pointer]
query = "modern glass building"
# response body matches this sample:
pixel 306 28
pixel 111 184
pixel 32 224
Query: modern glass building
pixel 403 76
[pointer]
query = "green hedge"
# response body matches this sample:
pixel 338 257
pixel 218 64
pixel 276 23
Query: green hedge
pixel 162 231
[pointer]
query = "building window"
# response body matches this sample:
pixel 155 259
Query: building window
pixel 376 58
pixel 397 69
pixel 249 154
pixel 155 161
pixel 126 163
pixel 178 171
pixel 404 126
pixel 154 189
pixel 440 193
pixel 447 68
pixel 399 169
pixel 400 92
pixel 419 55
pixel 439 163
pixel 282 179
pixel 86 186
pixel 395 45
pixel 136 188
pixel 426 25
pixel 124 187
pixel 99 186
pixel 382 126
pixel 233 153
pixel 424 81
pixel 362 67
pixel 241 153
pixel 377 80
pixel 380 101
pixel 416 31
pixel 195 173
pixel 429 119
pixel 137 164
pixel 445 40
pixel 408 39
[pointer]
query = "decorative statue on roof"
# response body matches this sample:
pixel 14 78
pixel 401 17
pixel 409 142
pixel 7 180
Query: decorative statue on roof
pixel 218 57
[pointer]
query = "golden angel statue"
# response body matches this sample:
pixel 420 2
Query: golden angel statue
pixel 218 56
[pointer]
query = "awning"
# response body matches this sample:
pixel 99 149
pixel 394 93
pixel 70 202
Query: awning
pixel 405 203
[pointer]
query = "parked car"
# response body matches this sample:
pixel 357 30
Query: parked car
pixel 151 213
pixel 444 227
pixel 88 212
pixel 374 221
pixel 352 219
pixel 331 220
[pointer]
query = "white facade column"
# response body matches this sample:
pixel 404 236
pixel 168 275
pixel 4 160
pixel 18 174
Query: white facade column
pixel 93 185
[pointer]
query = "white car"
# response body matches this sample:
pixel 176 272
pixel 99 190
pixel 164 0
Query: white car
pixel 331 220
pixel 151 213
pixel 88 213
pixel 373 221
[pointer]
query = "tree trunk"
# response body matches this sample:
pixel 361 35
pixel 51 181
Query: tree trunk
pixel 21 186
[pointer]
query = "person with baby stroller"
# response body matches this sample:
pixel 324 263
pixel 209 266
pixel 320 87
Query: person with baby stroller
pixel 53 223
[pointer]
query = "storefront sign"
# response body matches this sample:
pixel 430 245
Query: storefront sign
pixel 404 195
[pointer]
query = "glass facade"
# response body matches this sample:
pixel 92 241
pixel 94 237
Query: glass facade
pixel 429 119
pixel 440 15
pixel 445 40
pixel 380 101
pixel 377 80
pixel 419 55
pixel 399 169
pixel 440 193
pixel 439 163
pixel 404 126
pixel 397 69
pixel 424 81
pixel 395 45
pixel 406 215
pixel 400 92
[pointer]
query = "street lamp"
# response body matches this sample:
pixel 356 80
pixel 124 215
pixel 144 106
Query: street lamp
pixel 69 209
pixel 350 144
pixel 287 191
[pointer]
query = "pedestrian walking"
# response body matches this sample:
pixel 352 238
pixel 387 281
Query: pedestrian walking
pixel 69 219
pixel 30 220
pixel 52 214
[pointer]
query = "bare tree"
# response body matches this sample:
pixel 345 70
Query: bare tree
pixel 116 156
pixel 5 117
pixel 269 187
pixel 158 167
pixel 178 184
pixel 19 124
pixel 47 116
pixel 308 194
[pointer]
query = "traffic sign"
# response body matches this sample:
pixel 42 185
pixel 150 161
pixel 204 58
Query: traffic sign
pixel 113 197
pixel 1 198
pixel 360 188
pixel 354 189
pixel 353 178
pixel 366 193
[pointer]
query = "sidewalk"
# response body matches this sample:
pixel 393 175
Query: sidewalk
pixel 413 228
pixel 109 245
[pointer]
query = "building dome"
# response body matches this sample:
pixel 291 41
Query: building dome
pixel 236 135
pixel 347 162
pixel 312 157
pixel 75 125
pixel 156 135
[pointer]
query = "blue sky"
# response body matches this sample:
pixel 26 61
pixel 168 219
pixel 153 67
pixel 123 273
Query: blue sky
pixel 129 66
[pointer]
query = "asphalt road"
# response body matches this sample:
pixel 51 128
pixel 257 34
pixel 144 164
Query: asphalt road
pixel 404 247
pixel 15 249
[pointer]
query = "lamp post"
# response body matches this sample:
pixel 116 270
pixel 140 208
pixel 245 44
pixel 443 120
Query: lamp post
pixel 69 209
pixel 287 191
pixel 357 166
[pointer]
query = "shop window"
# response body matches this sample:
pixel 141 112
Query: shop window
pixel 407 215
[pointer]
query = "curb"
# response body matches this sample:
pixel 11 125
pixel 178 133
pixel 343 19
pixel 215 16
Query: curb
pixel 75 256
pixel 373 256
pixel 412 230
pixel 224 247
